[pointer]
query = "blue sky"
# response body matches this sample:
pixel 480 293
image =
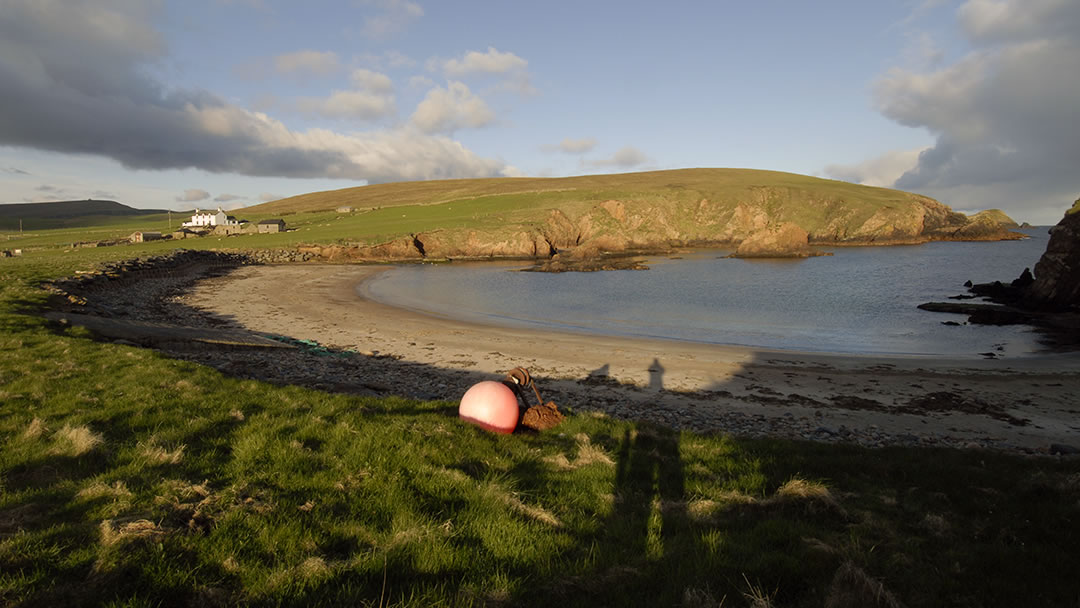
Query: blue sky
pixel 233 102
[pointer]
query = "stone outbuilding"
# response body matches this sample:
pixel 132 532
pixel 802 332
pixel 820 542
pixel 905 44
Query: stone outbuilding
pixel 142 237
pixel 275 225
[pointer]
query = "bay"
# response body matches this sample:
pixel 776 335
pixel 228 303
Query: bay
pixel 859 300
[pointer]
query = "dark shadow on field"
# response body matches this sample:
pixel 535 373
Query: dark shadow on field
pixel 669 538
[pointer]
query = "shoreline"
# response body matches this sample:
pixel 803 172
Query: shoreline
pixel 1024 404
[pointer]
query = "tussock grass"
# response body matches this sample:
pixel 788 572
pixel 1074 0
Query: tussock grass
pixel 157 454
pixel 75 440
pixel 114 533
pixel 853 588
pixel 35 429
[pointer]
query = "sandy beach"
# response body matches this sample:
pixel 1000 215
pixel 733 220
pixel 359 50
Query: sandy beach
pixel 1025 404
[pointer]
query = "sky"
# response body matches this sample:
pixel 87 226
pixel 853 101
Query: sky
pixel 204 103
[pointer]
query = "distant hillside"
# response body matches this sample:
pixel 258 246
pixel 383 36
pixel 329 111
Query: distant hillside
pixel 535 216
pixel 37 216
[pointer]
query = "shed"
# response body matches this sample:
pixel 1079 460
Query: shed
pixel 277 225
pixel 142 237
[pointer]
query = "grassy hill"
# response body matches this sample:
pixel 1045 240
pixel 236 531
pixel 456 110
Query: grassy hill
pixel 61 214
pixel 532 216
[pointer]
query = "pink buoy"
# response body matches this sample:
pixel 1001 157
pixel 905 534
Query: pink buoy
pixel 490 405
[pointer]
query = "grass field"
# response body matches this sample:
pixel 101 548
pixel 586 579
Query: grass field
pixel 131 479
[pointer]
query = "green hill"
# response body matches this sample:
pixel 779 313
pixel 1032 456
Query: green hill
pixel 535 216
pixel 66 214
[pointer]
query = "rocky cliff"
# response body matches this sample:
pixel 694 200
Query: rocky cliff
pixel 537 217
pixel 1057 273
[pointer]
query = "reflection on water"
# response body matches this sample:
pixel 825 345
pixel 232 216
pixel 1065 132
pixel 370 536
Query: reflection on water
pixel 860 300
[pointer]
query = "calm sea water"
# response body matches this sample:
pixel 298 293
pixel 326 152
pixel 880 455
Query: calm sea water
pixel 859 300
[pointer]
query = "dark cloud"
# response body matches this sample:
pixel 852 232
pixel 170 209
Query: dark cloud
pixel 75 82
pixel 1006 116
pixel 14 171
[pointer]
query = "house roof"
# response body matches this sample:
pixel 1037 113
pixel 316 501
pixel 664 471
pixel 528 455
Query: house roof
pixel 271 221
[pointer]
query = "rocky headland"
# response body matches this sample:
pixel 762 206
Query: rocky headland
pixel 754 213
pixel 1049 298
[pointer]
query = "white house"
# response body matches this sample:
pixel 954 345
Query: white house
pixel 209 220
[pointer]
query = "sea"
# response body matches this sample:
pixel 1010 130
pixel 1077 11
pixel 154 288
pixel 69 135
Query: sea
pixel 859 300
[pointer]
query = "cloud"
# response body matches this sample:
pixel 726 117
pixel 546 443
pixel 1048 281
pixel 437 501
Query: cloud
pixel 624 158
pixel 359 105
pixel 225 198
pixel 510 67
pixel 320 63
pixel 193 195
pixel 14 171
pixel 445 110
pixel 266 197
pixel 420 82
pixel 393 16
pixel 882 171
pixel 75 81
pixel 572 146
pixel 491 62
pixel 1007 114
pixel 391 58
pixel 370 81
pixel 373 99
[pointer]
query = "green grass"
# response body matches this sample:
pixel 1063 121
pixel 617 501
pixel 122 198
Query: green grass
pixel 129 478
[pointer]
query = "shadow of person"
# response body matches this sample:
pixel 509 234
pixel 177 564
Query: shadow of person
pixel 600 373
pixel 649 492
pixel 656 375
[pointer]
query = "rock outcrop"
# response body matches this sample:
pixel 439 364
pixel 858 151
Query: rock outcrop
pixel 784 241
pixel 1057 273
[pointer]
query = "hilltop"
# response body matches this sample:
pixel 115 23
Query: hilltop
pixel 35 216
pixel 536 217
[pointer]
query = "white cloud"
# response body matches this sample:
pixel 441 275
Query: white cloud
pixel 374 82
pixel 193 195
pixel 372 100
pixel 882 171
pixel 512 69
pixel 1005 116
pixel 445 110
pixel 391 58
pixel 624 158
pixel 572 146
pixel 420 82
pixel 358 105
pixel 320 63
pixel 393 16
pixel 75 82
pixel 490 62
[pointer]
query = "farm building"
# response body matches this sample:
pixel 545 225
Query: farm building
pixel 142 237
pixel 209 220
pixel 272 226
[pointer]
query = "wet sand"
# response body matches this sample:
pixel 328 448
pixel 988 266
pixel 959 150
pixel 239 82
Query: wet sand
pixel 1026 403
